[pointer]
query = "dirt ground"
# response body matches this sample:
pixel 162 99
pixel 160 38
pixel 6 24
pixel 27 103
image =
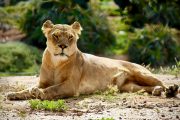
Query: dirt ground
pixel 140 106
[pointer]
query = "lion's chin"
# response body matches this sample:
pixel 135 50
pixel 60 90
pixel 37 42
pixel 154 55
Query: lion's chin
pixel 61 55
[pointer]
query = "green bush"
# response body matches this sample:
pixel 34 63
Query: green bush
pixel 19 57
pixel 154 45
pixel 9 2
pixel 151 11
pixel 30 15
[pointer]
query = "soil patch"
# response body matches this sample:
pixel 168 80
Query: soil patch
pixel 90 107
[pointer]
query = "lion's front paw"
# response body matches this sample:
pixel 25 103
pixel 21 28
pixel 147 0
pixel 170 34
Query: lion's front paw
pixel 157 91
pixel 12 96
pixel 38 93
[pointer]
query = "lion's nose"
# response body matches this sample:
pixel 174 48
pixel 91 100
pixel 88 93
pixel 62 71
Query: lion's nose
pixel 62 46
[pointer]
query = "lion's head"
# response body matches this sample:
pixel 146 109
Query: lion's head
pixel 61 38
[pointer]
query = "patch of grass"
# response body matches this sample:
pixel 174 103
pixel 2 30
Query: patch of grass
pixel 103 118
pixel 109 98
pixel 110 94
pixel 106 118
pixel 173 70
pixel 34 71
pixel 111 90
pixel 48 105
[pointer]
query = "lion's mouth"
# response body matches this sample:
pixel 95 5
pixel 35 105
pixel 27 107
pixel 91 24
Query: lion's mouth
pixel 61 54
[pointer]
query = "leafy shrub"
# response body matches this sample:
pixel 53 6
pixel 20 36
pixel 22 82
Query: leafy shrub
pixel 19 57
pixel 109 7
pixel 14 14
pixel 48 105
pixel 95 36
pixel 151 11
pixel 82 3
pixel 9 2
pixel 154 45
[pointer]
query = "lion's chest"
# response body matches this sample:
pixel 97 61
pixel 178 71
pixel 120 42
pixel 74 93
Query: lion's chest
pixel 59 76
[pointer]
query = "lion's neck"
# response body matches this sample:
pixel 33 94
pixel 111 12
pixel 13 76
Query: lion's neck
pixel 56 61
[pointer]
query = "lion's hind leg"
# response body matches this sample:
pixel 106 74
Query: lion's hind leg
pixel 133 87
pixel 147 79
pixel 151 81
pixel 126 83
pixel 133 82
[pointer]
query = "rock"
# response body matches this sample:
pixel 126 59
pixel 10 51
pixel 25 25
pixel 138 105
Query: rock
pixel 79 113
pixel 170 110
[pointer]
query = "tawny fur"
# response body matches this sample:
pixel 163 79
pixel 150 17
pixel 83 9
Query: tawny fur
pixel 72 72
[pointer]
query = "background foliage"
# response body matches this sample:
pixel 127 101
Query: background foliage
pixel 154 45
pixel 151 11
pixel 96 32
pixel 18 57
pixel 147 31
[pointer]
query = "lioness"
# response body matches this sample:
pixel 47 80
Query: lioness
pixel 66 71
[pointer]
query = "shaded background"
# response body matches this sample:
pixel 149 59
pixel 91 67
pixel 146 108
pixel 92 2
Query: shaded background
pixel 141 31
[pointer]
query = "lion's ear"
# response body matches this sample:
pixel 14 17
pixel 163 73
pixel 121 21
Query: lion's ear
pixel 47 26
pixel 77 27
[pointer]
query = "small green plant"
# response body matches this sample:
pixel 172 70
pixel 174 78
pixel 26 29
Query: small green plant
pixel 110 94
pixel 48 105
pixel 105 118
pixel 112 90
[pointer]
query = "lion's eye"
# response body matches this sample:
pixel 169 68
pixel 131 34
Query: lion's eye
pixel 70 38
pixel 55 36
